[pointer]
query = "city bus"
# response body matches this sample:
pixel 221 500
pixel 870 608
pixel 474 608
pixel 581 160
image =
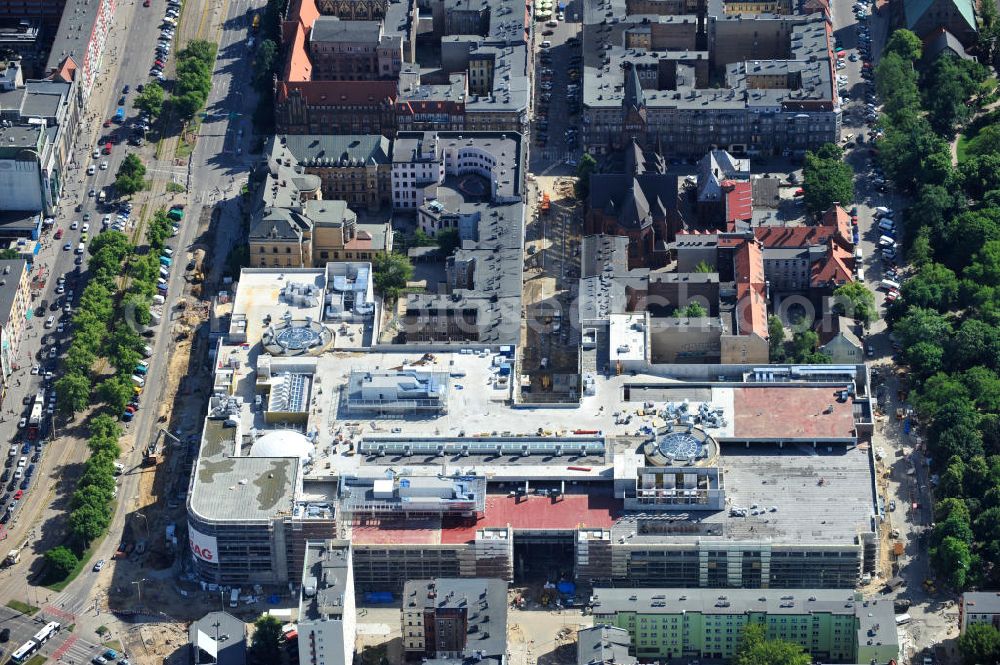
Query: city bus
pixel 24 652
pixel 50 629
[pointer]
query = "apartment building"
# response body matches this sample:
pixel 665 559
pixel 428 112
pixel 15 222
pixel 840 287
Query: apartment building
pixel 327 616
pixel 979 607
pixel 293 226
pixel 354 169
pixel 832 625
pixel 455 618
pixel 39 119
pixel 667 73
pixel 15 303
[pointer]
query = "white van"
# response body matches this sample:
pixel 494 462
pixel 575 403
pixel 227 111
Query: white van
pixel 80 248
pixel 886 241
pixel 138 380
pixel 903 619
pixel 858 254
pixel 888 285
pixel 49 322
pixel 882 211
pixel 234 597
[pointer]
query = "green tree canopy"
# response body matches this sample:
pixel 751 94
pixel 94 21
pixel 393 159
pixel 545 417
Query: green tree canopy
pixel 150 99
pixel 827 179
pixel 756 649
pixel 856 301
pixel 953 559
pixel 131 176
pixel 392 272
pixel 447 241
pixel 693 310
pixel 72 393
pixel 584 169
pixel 89 522
pixel 265 62
pixel 905 44
pixel 61 561
pixel 776 339
pixel 265 645
pixel 980 644
pixel 933 287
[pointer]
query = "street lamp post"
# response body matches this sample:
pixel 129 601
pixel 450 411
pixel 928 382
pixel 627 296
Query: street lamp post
pixel 138 584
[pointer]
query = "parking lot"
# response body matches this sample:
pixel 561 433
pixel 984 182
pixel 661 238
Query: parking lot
pixel 557 103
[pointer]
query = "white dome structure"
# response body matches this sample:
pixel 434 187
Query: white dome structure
pixel 282 443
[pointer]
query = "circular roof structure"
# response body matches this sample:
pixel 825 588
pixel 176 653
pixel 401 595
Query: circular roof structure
pixel 282 443
pixel 680 445
pixel 296 338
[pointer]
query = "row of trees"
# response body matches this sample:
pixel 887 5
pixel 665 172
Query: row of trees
pixel 265 64
pixel 946 320
pixel 194 78
pixel 91 322
pixel 105 327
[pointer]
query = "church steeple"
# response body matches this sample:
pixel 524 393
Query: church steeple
pixel 634 97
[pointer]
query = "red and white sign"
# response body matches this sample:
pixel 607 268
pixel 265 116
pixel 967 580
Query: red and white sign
pixel 202 546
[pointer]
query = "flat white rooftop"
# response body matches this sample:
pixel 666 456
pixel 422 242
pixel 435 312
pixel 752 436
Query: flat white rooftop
pixel 627 337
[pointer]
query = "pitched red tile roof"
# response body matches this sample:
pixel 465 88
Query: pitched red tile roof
pixel 298 67
pixel 751 306
pixel 739 201
pixel 335 93
pixel 793 236
pixel 835 269
pixel 838 219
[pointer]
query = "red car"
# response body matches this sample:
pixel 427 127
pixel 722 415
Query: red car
pixel 107 148
pixel 107 123
pixel 146 3
pixel 18 494
pixel 800 192
pixel 58 234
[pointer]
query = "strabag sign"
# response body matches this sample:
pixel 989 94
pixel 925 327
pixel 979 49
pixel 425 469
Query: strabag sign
pixel 202 546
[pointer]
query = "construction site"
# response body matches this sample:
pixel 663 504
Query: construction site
pixel 549 366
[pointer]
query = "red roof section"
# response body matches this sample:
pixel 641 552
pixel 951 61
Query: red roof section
pixel 67 70
pixel 839 219
pixel 751 306
pixel 792 412
pixel 571 511
pixel 299 66
pixel 332 93
pixel 793 236
pixel 739 201
pixel 835 270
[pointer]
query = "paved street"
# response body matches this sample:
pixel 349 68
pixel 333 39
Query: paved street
pixel 218 169
pixel 66 647
pixel 934 617
pixel 552 113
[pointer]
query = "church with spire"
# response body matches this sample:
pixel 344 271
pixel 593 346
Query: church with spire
pixel 640 203
pixel 633 108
